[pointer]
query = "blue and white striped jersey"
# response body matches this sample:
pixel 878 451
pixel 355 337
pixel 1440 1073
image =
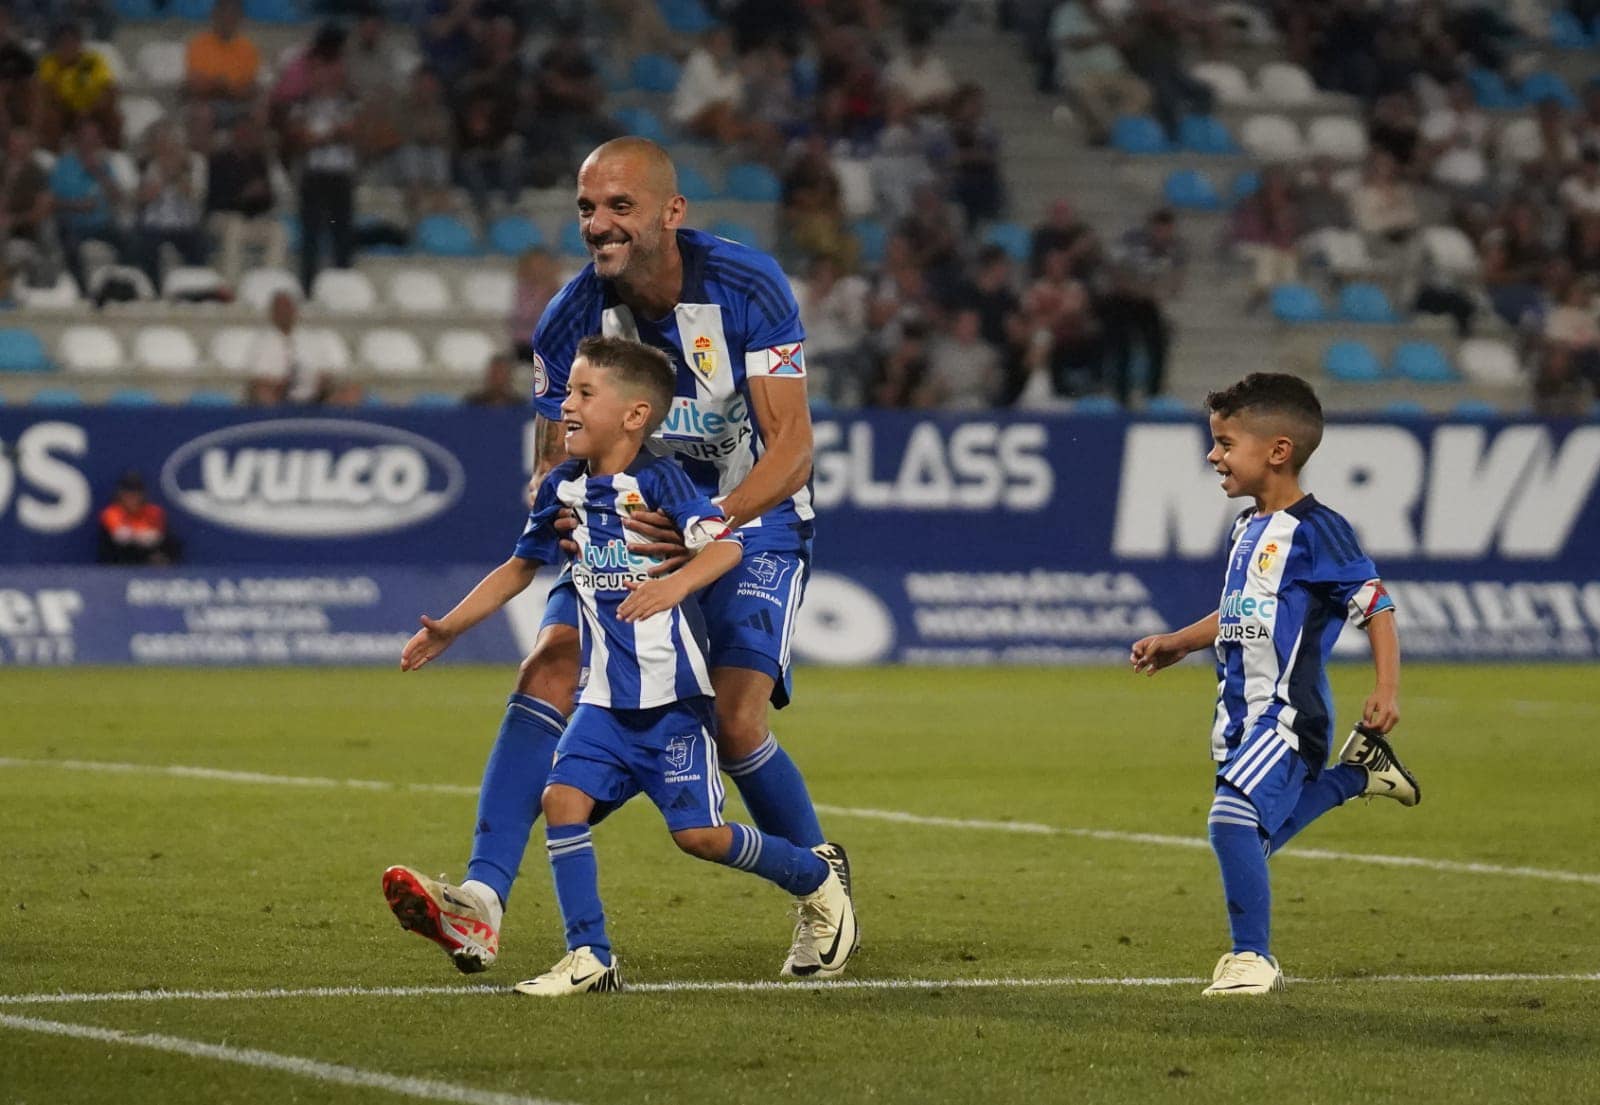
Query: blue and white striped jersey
pixel 736 319
pixel 629 665
pixel 1294 578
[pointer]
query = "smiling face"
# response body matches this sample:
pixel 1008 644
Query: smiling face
pixel 1245 455
pixel 596 414
pixel 628 209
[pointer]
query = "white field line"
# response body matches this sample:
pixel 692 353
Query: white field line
pixel 1458 867
pixel 117 997
pixel 333 1073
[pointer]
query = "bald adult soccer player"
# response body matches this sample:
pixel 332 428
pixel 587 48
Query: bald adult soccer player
pixel 741 427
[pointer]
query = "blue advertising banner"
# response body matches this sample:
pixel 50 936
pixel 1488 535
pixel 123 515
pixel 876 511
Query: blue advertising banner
pixel 943 539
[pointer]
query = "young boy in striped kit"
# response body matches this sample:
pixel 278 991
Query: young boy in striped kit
pixel 644 718
pixel 1295 575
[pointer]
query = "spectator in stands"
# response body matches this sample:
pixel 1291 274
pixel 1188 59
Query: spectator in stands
pixel 291 365
pixel 538 280
pixel 325 50
pixel 963 370
pixel 933 230
pixel 1092 70
pixel 1060 230
pixel 19 92
pixel 1344 38
pixel 919 74
pixel 1395 129
pixel 1580 192
pixel 710 92
pixel 1556 150
pixel 1514 258
pixel 422 161
pixel 563 108
pixel 374 64
pixel 499 388
pixel 487 152
pixel 812 216
pixel 1460 117
pixel 1148 269
pixel 974 158
pixel 133 530
pixel 1569 368
pixel 242 199
pixel 323 128
pixel 833 311
pixel 171 201
pixel 1587 128
pixel 88 197
pixel 903 370
pixel 1318 199
pixel 1384 207
pixel 75 82
pixel 1154 48
pixel 26 224
pixel 903 156
pixel 901 298
pixel 1065 351
pixel 221 65
pixel 447 35
pixel 1265 231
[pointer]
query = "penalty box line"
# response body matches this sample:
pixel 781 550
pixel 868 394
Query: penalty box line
pixel 901 817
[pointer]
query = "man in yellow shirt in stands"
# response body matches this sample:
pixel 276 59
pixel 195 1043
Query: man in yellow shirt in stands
pixel 76 83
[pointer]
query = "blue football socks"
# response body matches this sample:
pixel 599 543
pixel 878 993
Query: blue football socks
pixel 1236 837
pixel 577 879
pixel 513 781
pixel 775 794
pixel 798 870
pixel 1334 787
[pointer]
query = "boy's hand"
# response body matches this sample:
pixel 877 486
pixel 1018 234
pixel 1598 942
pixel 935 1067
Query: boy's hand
pixel 1151 654
pixel 428 642
pixel 1382 710
pixel 566 521
pixel 665 542
pixel 649 597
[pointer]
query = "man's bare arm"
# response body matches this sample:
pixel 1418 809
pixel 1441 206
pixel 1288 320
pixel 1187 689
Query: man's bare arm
pixel 784 416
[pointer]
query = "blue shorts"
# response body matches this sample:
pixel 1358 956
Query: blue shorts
pixel 750 612
pixel 666 752
pixel 1266 769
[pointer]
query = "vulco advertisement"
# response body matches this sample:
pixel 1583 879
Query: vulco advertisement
pixel 940 540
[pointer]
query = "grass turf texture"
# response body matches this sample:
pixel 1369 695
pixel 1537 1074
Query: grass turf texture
pixel 122 882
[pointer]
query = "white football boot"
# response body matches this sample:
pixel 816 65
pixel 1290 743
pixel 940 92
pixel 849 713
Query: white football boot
pixel 578 972
pixel 455 918
pixel 825 932
pixel 1387 777
pixel 1245 973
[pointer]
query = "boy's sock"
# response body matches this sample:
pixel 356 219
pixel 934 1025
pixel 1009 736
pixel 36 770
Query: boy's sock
pixel 1334 787
pixel 798 870
pixel 513 780
pixel 577 879
pixel 1235 828
pixel 775 794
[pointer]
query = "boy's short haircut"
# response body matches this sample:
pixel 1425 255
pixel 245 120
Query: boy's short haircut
pixel 638 369
pixel 1286 402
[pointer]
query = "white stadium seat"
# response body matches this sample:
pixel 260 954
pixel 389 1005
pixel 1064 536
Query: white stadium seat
pixel 128 274
pixel 112 57
pixel 139 114
pixel 1284 84
pixel 63 295
pixel 165 349
pixel 1450 251
pixel 191 281
pixel 464 352
pixel 1489 361
pixel 1337 136
pixel 230 347
pixel 162 62
pixel 391 352
pixel 334 347
pixel 419 291
pixel 344 291
pixel 489 292
pixel 90 349
pixel 258 286
pixel 1271 138
pixel 1227 82
pixel 1520 141
pixel 1343 251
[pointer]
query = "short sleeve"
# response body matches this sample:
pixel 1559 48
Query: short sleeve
pixel 555 345
pixel 539 541
pixel 671 490
pixel 1339 570
pixel 774 336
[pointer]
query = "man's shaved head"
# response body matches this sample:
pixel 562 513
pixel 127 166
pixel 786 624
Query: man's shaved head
pixel 629 211
pixel 651 167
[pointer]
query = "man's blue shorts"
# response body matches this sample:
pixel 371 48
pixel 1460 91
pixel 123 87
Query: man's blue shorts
pixel 665 752
pixel 1267 770
pixel 750 612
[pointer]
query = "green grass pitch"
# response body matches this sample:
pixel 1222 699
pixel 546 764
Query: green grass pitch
pixel 128 881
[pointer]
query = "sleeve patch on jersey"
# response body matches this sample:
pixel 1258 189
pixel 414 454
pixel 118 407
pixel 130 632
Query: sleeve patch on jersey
pixel 1370 600
pixel 786 360
pixel 541 377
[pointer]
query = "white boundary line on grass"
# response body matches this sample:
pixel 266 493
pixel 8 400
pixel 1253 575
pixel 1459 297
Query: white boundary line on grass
pixel 1458 867
pixel 317 1071
pixel 118 997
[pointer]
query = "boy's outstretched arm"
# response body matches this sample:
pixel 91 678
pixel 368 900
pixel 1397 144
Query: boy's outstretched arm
pixel 492 592
pixel 1151 654
pixel 1382 709
pixel 656 595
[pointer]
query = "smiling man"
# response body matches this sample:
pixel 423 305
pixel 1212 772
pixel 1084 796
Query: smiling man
pixel 740 426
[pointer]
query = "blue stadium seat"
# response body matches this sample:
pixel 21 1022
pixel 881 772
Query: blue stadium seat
pixel 1138 134
pixel 654 73
pixel 212 399
pixel 1351 362
pixel 1014 238
pixel 136 9
pixel 1546 85
pixel 1296 303
pixel 291 230
pixel 753 183
pixel 572 241
pixel 1490 90
pixel 1205 134
pixel 513 235
pixel 695 185
pixel 57 397
pixel 1405 408
pixel 22 351
pixel 1423 362
pixel 1245 184
pixel 642 123
pixel 1167 406
pixel 1567 32
pixel 736 231
pixel 435 400
pixel 1363 302
pixel 874 239
pixel 1476 409
pixel 191 9
pixel 1096 406
pixel 274 11
pixel 685 17
pixel 445 236
pixel 132 397
pixel 1191 190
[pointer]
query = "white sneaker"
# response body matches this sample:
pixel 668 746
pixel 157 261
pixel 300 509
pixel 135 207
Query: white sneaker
pixel 579 972
pixel 825 932
pixel 1387 777
pixel 453 917
pixel 1245 973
